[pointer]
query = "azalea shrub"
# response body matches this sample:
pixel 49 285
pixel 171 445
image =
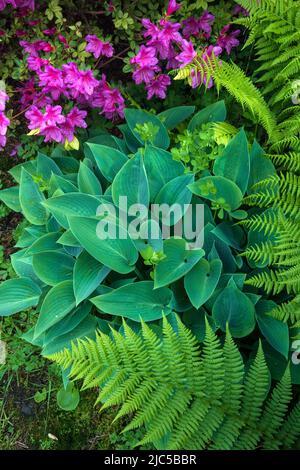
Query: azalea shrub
pixel 60 76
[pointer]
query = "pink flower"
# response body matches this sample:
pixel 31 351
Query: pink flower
pixel 228 40
pixel 169 32
pixel 76 118
pixel 172 7
pixel 4 3
pixel 51 80
pixel 4 123
pixel 52 133
pixel 53 116
pixel 36 63
pixel 36 118
pixel 145 57
pixel 86 84
pixel 191 27
pixel 238 10
pixel 187 55
pixel 158 86
pixel 3 98
pixel 152 30
pixel 63 40
pixel 20 33
pixel 98 47
pixel 205 23
pixel 144 74
pixel 50 31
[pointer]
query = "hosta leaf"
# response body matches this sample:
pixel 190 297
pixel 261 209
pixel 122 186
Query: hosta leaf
pixel 132 182
pixel 202 280
pixel 88 274
pixel 52 267
pixel 58 182
pixel 234 307
pixel 46 166
pixel 30 167
pixel 260 167
pixel 119 253
pixel 174 116
pixel 177 262
pixel 176 192
pixel 108 159
pixel 138 116
pixel 275 331
pixel 72 204
pixel 30 200
pixel 215 112
pixel 17 295
pixel 46 242
pixel 10 197
pixel 234 163
pixel 59 301
pixel 137 301
pixel 87 181
pixel 219 190
pixel 160 169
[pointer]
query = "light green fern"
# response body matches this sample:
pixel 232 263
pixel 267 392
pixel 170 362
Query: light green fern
pixel 186 398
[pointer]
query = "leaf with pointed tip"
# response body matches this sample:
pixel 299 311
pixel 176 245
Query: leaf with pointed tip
pixel 174 116
pixel 59 301
pixel 31 199
pixel 178 261
pixel 118 253
pixel 218 189
pixel 88 274
pixel 10 197
pixel 109 160
pixel 132 182
pixel 202 280
pixel 137 301
pixel 160 168
pixel 215 112
pixel 70 204
pixel 53 267
pixel 87 181
pixel 177 193
pixel 46 242
pixel 17 295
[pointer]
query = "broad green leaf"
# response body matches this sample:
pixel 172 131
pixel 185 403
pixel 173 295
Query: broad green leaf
pixel 22 265
pixel 47 242
pixel 215 112
pixel 236 309
pixel 275 331
pixel 66 164
pixel 108 159
pixel 131 142
pixel 58 182
pixel 52 267
pixel 85 329
pixel 218 189
pixel 29 166
pixel 68 239
pixel 17 295
pixel 72 204
pixel 138 116
pixel 68 399
pixel 88 274
pixel 175 192
pixel 137 301
pixel 160 168
pixel 178 261
pixel 174 116
pixel 10 197
pixel 234 163
pixel 132 182
pixel 31 199
pixel 260 167
pixel 68 323
pixel 46 167
pixel 195 320
pixel 118 253
pixel 202 280
pixel 87 181
pixel 59 301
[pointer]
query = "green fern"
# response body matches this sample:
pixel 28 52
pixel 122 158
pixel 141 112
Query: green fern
pixel 183 397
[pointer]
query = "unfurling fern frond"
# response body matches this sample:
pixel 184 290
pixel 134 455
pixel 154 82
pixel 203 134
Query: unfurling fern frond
pixel 183 397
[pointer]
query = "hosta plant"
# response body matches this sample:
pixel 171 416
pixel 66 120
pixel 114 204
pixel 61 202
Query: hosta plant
pixel 84 261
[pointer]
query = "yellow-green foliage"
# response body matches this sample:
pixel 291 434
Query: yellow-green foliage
pixel 184 397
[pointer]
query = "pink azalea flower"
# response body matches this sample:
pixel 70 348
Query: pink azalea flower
pixel 205 23
pixel 152 30
pixel 172 7
pixel 191 27
pixel 20 33
pixel 145 57
pixel 228 40
pixel 169 32
pixel 52 133
pixel 158 86
pixel 4 3
pixel 36 63
pixel 144 74
pixel 36 118
pixel 4 123
pixel 187 55
pixel 76 118
pixel 63 40
pixel 50 31
pixel 3 98
pixel 97 47
pixel 53 116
